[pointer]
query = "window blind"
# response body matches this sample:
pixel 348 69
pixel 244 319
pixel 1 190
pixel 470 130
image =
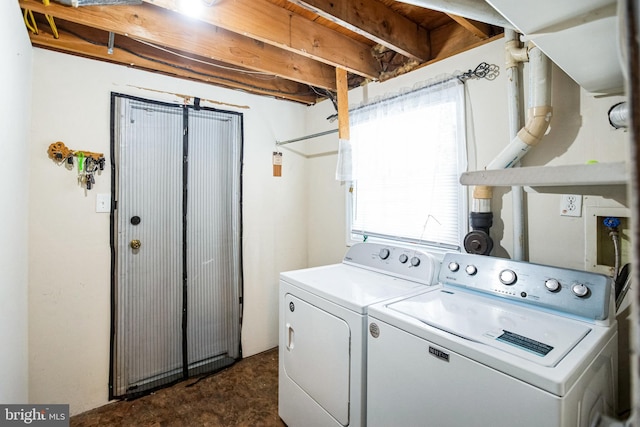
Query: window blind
pixel 408 152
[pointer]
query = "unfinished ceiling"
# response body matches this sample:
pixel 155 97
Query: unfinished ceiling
pixel 279 48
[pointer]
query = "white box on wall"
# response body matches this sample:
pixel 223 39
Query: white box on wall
pixel 599 253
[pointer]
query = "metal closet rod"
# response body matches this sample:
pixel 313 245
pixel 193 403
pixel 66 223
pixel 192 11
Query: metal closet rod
pixel 302 138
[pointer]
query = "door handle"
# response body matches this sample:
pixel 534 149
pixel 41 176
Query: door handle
pixel 290 336
pixel 135 244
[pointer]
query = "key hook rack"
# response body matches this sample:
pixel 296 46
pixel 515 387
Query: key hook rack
pixel 88 162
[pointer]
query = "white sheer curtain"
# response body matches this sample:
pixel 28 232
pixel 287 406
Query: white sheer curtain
pixel 407 155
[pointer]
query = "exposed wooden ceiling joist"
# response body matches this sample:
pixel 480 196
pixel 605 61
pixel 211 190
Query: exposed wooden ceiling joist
pixel 478 29
pixel 377 22
pixel 446 41
pixel 276 26
pixel 287 49
pixel 154 25
pixel 92 43
pixel 451 39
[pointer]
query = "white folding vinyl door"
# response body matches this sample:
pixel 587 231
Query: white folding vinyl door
pixel 176 275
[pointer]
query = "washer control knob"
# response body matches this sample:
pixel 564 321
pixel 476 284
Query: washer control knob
pixel 454 266
pixel 552 285
pixel 580 290
pixel 471 269
pixel 403 258
pixel 415 261
pixel 384 253
pixel 508 277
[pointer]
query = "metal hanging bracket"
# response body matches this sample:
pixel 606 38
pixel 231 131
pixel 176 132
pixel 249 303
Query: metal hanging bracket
pixel 89 163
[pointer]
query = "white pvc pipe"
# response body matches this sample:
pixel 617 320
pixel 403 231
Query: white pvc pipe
pixel 539 115
pixel 515 123
pixel 540 78
pixel 513 56
pixel 511 155
pixel 517 195
pixel 472 9
pixel 513 81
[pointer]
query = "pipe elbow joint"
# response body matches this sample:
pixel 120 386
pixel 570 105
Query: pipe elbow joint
pixel 537 125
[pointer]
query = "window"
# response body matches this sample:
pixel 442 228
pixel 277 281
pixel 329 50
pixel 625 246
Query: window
pixel 408 152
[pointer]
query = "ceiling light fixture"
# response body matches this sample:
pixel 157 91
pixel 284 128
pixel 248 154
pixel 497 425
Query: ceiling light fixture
pixel 191 8
pixel 194 8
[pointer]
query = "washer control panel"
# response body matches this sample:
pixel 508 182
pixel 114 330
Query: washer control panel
pixel 574 292
pixel 405 263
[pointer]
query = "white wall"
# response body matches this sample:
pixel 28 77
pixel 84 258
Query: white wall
pixel 289 222
pixel 15 86
pixel 579 132
pixel 69 260
pixel 325 196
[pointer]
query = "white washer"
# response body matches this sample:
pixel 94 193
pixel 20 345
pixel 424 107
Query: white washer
pixel 323 320
pixel 501 343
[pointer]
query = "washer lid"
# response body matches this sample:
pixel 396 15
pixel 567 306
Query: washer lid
pixel 537 336
pixel 352 287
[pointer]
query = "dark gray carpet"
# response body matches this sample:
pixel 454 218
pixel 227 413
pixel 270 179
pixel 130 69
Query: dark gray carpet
pixel 245 394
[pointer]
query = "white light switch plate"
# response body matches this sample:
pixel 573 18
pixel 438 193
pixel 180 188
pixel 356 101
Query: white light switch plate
pixel 103 202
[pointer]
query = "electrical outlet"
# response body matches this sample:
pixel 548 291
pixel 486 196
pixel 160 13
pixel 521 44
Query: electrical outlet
pixel 103 202
pixel 571 205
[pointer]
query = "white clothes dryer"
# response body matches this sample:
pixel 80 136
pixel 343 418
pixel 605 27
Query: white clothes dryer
pixel 323 320
pixel 502 343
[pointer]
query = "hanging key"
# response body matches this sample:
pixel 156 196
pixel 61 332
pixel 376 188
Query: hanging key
pixel 89 180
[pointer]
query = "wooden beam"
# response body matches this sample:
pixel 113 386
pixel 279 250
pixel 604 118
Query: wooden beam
pixel 146 58
pixel 446 41
pixel 343 103
pixel 276 26
pixel 478 29
pixel 449 40
pixel 376 21
pixel 155 25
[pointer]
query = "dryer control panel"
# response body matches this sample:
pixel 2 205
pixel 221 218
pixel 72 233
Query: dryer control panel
pixel 406 263
pixel 570 292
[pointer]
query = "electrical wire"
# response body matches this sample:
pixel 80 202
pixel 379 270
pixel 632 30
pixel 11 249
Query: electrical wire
pixel 329 95
pixel 204 62
pixel 52 24
pixel 28 16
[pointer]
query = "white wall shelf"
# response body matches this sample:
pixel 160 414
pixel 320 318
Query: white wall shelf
pixel 597 174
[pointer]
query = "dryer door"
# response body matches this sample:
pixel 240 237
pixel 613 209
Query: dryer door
pixel 317 355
